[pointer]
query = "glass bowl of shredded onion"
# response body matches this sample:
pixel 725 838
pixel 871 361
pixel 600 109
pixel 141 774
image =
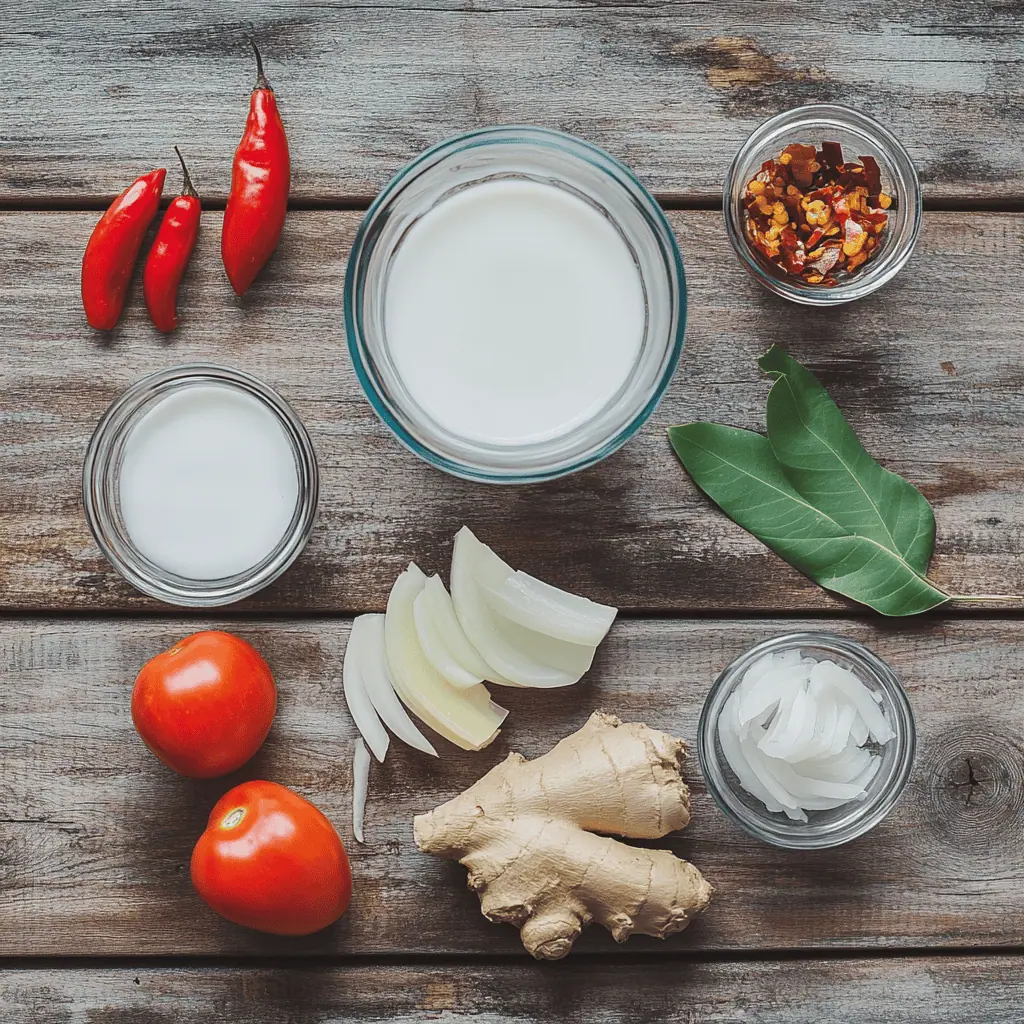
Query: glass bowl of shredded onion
pixel 807 740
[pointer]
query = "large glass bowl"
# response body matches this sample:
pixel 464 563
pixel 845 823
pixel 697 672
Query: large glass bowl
pixel 584 171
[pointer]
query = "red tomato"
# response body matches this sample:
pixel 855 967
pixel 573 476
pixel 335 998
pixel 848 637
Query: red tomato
pixel 270 860
pixel 205 706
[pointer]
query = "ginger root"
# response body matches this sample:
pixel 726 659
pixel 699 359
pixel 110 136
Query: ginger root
pixel 524 831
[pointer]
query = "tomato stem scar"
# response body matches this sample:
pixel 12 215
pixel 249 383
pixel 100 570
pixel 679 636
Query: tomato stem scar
pixel 233 818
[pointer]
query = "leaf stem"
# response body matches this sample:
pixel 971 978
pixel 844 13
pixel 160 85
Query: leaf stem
pixel 979 598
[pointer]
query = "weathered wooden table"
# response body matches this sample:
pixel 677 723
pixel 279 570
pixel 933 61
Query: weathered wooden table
pixel 921 921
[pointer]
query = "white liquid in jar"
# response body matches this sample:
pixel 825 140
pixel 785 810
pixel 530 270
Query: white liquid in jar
pixel 514 312
pixel 208 482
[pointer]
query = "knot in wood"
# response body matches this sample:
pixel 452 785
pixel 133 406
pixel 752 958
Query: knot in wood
pixel 976 780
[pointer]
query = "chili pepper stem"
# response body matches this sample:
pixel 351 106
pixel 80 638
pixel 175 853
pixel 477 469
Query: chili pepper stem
pixel 188 189
pixel 261 79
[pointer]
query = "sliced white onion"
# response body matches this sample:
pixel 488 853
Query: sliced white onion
pixel 360 785
pixel 372 661
pixel 824 803
pixel 844 767
pixel 858 695
pixel 434 647
pixel 800 786
pixel 870 771
pixel 781 719
pixel 762 765
pixel 826 721
pixel 474 567
pixel 859 731
pixel 359 705
pixel 762 692
pixel 545 609
pixel 761 667
pixel 732 747
pixel 468 717
pixel 794 732
pixel 788 659
pixel 438 602
pixel 573 659
pixel 841 737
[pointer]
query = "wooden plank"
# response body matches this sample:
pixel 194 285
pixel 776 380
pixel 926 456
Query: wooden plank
pixel 671 88
pixel 95 835
pixel 929 371
pixel 925 990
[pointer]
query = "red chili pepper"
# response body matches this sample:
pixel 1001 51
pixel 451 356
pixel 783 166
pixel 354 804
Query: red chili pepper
pixel 170 254
pixel 260 179
pixel 113 248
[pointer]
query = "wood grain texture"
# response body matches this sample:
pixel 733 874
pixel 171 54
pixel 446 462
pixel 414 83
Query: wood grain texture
pixel 927 990
pixel 96 835
pixel 671 88
pixel 929 371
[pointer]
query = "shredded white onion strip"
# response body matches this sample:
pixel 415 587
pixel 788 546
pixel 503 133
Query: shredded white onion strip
pixel 359 705
pixel 373 664
pixel 360 785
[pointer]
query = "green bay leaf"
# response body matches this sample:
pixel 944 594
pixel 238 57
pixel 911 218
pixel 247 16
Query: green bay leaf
pixel 827 464
pixel 738 470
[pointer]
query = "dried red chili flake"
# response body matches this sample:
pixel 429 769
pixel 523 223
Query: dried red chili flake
pixel 813 215
pixel 872 175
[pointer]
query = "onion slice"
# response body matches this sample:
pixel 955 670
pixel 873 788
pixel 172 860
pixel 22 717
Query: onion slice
pixel 359 705
pixel 476 569
pixel 435 649
pixel 468 718
pixel 373 664
pixel 360 785
pixel 574 659
pixel 546 609
pixel 437 601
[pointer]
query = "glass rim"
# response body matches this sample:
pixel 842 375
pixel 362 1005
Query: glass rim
pixel 897 162
pixel 116 545
pixel 617 173
pixel 763 824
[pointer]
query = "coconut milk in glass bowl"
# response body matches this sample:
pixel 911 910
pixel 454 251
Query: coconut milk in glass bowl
pixel 515 304
pixel 200 485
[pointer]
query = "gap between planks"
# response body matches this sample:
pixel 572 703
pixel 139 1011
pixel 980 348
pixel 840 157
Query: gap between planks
pixel 613 957
pixel 974 613
pixel 77 204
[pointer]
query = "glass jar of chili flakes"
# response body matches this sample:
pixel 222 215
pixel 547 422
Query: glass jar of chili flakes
pixel 822 205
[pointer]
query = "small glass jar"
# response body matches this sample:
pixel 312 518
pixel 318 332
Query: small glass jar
pixel 584 171
pixel 101 489
pixel 859 135
pixel 823 829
